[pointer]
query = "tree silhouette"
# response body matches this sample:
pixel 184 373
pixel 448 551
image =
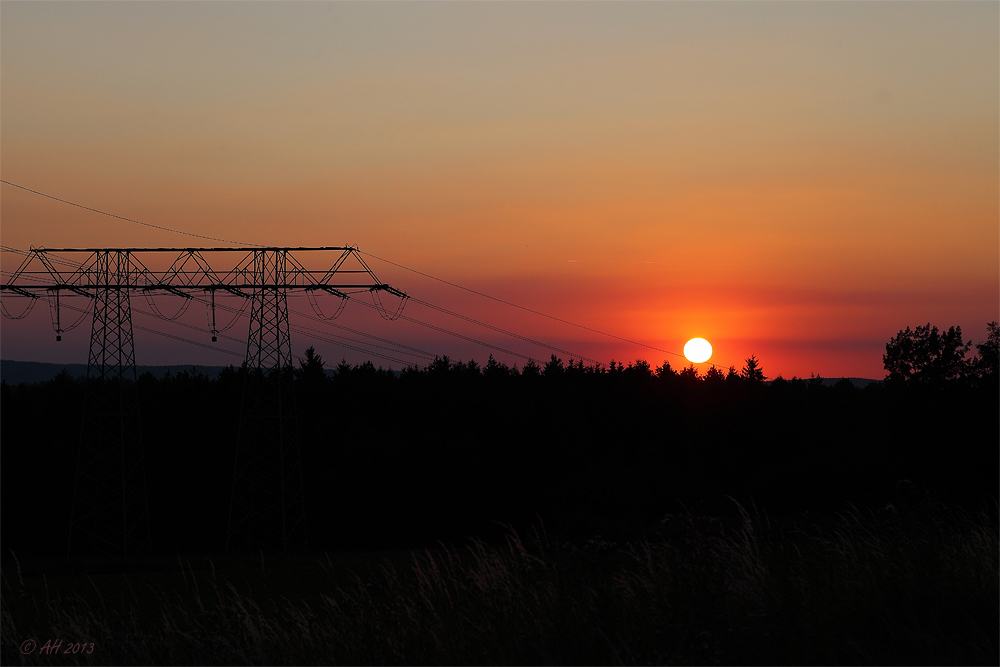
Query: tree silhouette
pixel 311 368
pixel 689 374
pixel 553 368
pixel 640 370
pixel 714 375
pixel 343 369
pixel 439 367
pixel 752 372
pixel 665 371
pixel 531 369
pixel 494 369
pixel 926 356
pixel 987 363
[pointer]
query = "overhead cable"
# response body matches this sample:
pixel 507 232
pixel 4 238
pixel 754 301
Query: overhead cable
pixel 112 215
pixel 514 305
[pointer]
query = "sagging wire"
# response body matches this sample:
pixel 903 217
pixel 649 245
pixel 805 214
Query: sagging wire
pixel 319 310
pixel 56 305
pixel 152 304
pixel 112 215
pixel 455 334
pixel 297 329
pixel 514 305
pixel 385 314
pixel 358 254
pixel 504 331
pixel 54 301
pixel 466 338
pixel 188 340
pixel 416 350
pixel 56 315
pixel 303 331
pixel 31 297
pixel 383 311
pixel 316 335
pixel 210 307
pixel 175 337
pixel 31 305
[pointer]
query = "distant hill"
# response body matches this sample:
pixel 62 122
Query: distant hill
pixel 860 383
pixel 16 372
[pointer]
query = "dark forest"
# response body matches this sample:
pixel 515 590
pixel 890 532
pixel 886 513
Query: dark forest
pixel 549 514
pixel 458 449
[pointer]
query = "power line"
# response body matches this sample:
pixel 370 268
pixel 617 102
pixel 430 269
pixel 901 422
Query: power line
pixel 112 215
pixel 308 333
pixel 175 337
pixel 305 331
pixel 464 337
pixel 426 275
pixel 503 331
pixel 186 340
pixel 524 308
pixel 315 335
pixel 514 305
pixel 417 352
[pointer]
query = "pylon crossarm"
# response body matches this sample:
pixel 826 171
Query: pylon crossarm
pixel 190 272
pixel 336 265
pixel 53 272
pixel 71 288
pixel 232 290
pixel 391 290
pixel 184 290
pixel 243 281
pixel 166 288
pixel 19 290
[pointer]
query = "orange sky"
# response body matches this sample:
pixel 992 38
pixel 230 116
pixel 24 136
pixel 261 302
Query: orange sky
pixel 797 181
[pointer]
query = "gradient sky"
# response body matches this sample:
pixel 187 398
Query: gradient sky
pixel 797 181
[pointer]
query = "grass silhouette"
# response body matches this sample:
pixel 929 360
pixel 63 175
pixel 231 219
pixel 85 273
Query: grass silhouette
pixel 912 587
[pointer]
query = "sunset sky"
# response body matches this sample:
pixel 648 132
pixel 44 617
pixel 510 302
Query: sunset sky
pixel 793 180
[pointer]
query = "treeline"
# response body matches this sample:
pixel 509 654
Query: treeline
pixel 457 448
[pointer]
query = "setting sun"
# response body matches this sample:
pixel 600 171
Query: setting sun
pixel 698 350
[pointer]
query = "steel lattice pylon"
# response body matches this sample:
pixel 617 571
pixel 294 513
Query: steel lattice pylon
pixel 109 516
pixel 267 510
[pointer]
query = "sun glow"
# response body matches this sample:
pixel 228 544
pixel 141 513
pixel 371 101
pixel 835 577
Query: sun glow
pixel 698 350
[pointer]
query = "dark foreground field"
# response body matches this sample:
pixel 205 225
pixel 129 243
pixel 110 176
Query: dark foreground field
pixel 918 587
pixel 551 515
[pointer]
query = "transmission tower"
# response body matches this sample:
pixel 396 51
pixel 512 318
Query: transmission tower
pixel 109 516
pixel 267 510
